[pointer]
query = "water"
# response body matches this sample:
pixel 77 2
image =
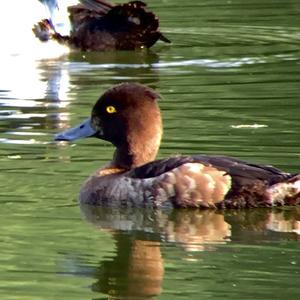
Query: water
pixel 230 85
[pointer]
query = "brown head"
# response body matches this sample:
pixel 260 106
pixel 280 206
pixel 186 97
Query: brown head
pixel 128 116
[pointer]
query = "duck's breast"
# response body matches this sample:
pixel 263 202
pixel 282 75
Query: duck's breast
pixel 188 185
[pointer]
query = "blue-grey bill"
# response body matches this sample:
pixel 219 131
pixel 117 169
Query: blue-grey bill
pixel 82 131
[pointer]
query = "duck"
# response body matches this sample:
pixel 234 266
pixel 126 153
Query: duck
pixel 99 25
pixel 128 116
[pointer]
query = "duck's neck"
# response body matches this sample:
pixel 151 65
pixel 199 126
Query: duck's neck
pixel 139 149
pixel 128 159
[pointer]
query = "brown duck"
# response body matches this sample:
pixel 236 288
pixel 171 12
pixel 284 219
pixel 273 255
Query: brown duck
pixel 98 25
pixel 128 116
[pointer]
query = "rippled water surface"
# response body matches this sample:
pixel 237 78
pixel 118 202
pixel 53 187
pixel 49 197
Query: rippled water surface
pixel 230 84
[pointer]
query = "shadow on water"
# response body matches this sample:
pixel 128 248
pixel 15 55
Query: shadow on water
pixel 120 65
pixel 140 236
pixel 131 59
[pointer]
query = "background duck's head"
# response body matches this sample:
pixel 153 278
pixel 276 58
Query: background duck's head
pixel 128 116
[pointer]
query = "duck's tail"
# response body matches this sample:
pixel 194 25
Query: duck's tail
pixel 136 23
pixel 284 193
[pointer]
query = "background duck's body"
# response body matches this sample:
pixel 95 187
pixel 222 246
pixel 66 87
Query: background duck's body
pixel 128 116
pixel 98 25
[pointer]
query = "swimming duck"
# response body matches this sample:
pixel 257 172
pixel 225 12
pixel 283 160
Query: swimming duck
pixel 128 116
pixel 98 25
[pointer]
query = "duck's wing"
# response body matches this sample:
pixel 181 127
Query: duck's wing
pixel 100 6
pixel 235 167
pixel 217 181
pixel 88 11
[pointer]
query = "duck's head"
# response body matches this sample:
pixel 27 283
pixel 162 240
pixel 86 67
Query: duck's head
pixel 128 116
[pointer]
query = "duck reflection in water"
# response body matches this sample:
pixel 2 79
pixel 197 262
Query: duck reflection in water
pixel 135 272
pixel 137 269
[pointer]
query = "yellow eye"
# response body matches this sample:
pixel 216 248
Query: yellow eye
pixel 111 109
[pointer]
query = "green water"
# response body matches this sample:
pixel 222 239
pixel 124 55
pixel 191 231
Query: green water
pixel 230 84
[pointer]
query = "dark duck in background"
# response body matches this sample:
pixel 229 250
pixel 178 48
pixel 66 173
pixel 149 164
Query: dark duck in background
pixel 99 25
pixel 128 116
